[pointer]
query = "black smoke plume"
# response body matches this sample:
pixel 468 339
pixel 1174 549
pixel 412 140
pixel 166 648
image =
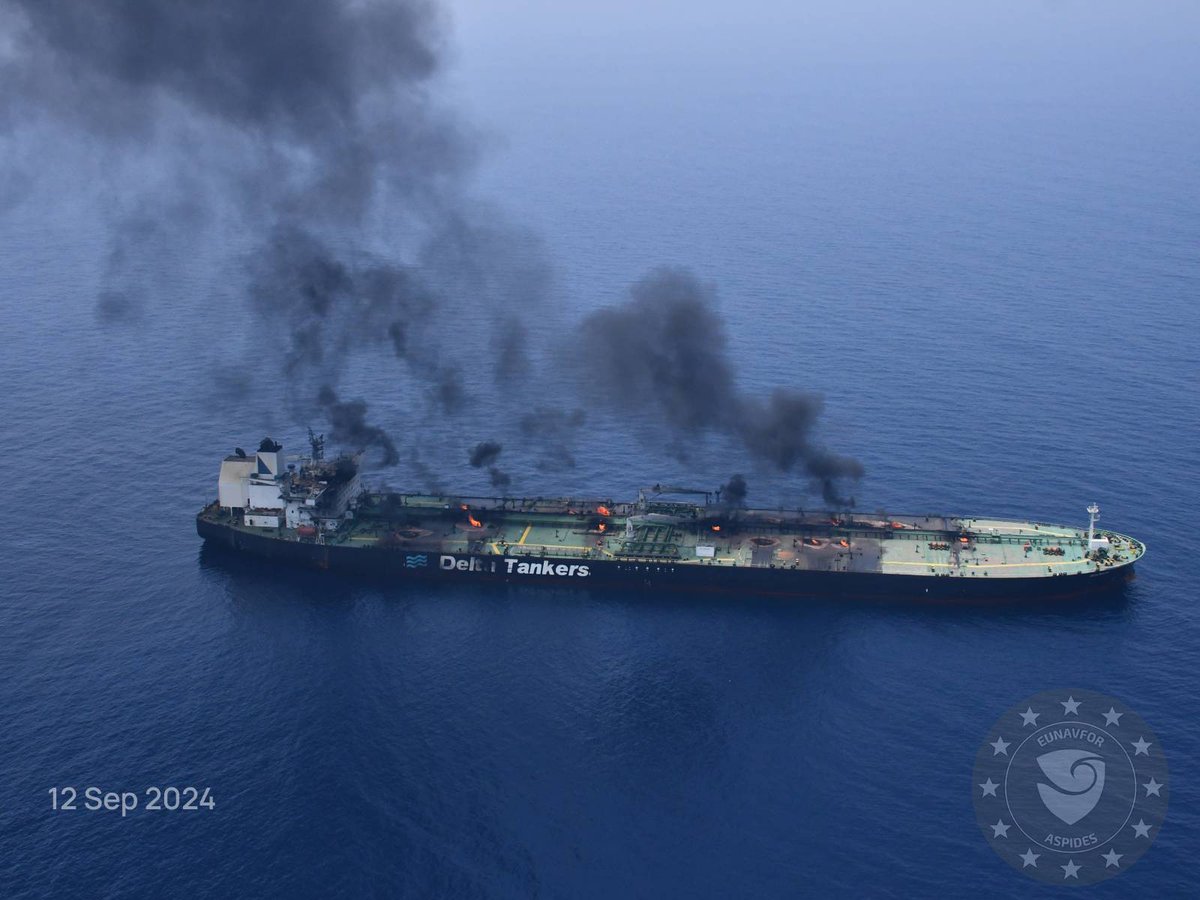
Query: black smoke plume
pixel 733 492
pixel 666 350
pixel 314 124
pixel 554 431
pixel 314 127
pixel 484 454
pixel 348 421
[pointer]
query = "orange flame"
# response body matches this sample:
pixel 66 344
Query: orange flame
pixel 604 510
pixel 964 540
pixel 844 542
pixel 474 521
pixel 716 528
pixel 601 527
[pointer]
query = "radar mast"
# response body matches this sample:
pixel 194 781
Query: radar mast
pixel 317 442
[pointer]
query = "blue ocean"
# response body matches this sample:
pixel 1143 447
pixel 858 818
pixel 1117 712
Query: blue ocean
pixel 978 239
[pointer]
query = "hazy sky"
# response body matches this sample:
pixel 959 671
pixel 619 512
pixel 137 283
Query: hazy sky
pixel 852 31
pixel 510 61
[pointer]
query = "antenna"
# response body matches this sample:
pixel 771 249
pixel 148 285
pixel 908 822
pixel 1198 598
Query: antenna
pixel 1093 516
pixel 317 442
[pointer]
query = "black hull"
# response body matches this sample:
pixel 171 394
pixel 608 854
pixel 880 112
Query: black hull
pixel 431 566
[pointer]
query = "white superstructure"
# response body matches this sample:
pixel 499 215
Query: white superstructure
pixel 273 494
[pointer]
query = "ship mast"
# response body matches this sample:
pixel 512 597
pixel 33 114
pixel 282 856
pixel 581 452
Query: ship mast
pixel 1093 515
pixel 317 442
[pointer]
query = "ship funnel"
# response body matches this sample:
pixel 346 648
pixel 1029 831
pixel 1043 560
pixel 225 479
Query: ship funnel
pixel 269 459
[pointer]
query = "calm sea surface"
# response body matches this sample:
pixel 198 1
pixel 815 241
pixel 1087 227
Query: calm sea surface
pixel 994 286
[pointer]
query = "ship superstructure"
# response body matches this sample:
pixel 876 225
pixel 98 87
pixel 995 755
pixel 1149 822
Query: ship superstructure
pixel 268 492
pixel 317 513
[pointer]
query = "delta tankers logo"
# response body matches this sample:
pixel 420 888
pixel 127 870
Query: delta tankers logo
pixel 1070 787
pixel 512 566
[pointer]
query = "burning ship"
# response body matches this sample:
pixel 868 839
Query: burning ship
pixel 315 512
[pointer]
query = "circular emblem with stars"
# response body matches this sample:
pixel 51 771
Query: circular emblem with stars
pixel 1070 787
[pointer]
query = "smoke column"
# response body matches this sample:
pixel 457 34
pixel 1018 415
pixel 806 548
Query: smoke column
pixel 666 349
pixel 314 127
pixel 315 122
pixel 484 454
pixel 734 491
pixel 349 425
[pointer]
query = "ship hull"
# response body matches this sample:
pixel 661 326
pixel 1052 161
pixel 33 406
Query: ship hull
pixel 417 565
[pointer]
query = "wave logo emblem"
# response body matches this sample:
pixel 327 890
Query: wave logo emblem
pixel 415 562
pixel 1078 777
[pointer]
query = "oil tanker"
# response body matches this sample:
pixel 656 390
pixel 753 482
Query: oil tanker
pixel 314 512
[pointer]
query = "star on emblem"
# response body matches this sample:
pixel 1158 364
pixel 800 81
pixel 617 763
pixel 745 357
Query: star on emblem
pixel 1112 717
pixel 1000 829
pixel 1000 745
pixel 989 787
pixel 1152 787
pixel 1029 717
pixel 1070 706
pixel 1141 829
pixel 1141 747
pixel 1111 858
pixel 1029 858
pixel 1070 870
